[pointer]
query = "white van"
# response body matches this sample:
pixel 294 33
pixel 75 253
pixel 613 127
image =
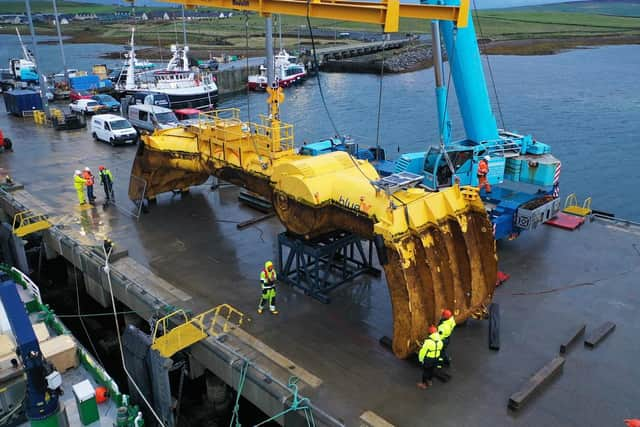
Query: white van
pixel 151 117
pixel 113 129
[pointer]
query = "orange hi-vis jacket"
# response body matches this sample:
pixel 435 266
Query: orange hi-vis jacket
pixel 483 168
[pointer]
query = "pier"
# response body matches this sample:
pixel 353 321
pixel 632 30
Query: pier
pixel 187 253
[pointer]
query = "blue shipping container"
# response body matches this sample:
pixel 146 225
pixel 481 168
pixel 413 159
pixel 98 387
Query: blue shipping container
pixel 18 101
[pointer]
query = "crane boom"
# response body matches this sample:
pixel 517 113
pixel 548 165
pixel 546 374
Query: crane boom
pixel 386 13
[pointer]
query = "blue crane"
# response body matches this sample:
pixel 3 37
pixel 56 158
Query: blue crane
pixel 43 382
pixel 522 172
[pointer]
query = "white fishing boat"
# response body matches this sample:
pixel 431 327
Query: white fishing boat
pixel 287 72
pixel 185 87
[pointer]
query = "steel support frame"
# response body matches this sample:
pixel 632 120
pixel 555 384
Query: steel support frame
pixel 320 265
pixel 386 13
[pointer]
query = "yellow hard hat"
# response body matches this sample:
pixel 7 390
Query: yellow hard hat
pixel 268 265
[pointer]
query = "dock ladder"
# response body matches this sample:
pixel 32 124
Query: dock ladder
pixel 26 222
pixel 572 207
pixel 213 322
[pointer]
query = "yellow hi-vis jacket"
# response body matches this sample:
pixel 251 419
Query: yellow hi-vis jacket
pixel 79 182
pixel 446 327
pixel 431 348
pixel 268 278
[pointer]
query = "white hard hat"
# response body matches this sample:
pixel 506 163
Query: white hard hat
pixel 487 158
pixel 89 170
pixel 77 172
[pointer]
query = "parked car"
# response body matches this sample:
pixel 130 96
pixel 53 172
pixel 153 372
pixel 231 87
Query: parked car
pixel 85 106
pixel 189 115
pixel 211 65
pixel 150 117
pixel 107 101
pixel 112 129
pixel 75 95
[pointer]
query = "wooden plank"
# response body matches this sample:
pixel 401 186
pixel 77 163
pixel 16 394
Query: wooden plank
pixel 371 419
pixel 277 358
pixel 599 334
pixel 535 383
pixel 577 334
pixel 494 326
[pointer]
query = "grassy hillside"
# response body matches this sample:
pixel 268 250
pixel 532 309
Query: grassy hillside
pixel 532 30
pixel 45 6
pixel 617 8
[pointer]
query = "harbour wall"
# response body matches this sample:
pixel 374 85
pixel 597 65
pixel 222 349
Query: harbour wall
pixel 234 79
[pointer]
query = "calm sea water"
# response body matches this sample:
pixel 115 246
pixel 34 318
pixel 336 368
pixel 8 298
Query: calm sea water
pixel 585 103
pixel 80 56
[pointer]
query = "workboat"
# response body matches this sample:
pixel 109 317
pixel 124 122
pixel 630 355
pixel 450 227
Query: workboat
pixel 59 383
pixel 186 88
pixel 23 69
pixel 287 72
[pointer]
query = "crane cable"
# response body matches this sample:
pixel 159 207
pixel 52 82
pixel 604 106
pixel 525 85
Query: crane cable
pixel 380 99
pixel 316 65
pixel 493 83
pixel 446 103
pixel 324 102
pixel 263 164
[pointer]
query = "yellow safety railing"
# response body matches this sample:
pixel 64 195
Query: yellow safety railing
pixel 218 320
pixel 57 113
pixel 39 117
pixel 26 222
pixel 572 207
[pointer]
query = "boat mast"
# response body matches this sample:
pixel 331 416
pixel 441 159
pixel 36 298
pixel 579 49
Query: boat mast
pixel 184 28
pixel 43 83
pixel 64 61
pixel 280 31
pixel 25 52
pixel 130 83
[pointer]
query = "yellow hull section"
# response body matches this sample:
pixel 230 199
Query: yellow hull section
pixel 439 246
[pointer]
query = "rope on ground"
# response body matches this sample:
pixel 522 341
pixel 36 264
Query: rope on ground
pixel 575 285
pixel 235 416
pixel 297 404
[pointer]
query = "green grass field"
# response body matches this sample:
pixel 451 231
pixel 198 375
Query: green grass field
pixel 45 6
pixel 549 22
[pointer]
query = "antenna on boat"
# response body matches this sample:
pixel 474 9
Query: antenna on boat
pixel 64 61
pixel 41 79
pixel 280 31
pixel 184 27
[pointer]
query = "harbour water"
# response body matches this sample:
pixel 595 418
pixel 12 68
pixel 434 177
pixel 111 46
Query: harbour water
pixel 80 56
pixel 585 103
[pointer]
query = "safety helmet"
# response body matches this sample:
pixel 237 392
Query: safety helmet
pixel 77 172
pixel 87 169
pixel 446 313
pixel 487 158
pixel 268 265
pixel 432 330
pixel 101 167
